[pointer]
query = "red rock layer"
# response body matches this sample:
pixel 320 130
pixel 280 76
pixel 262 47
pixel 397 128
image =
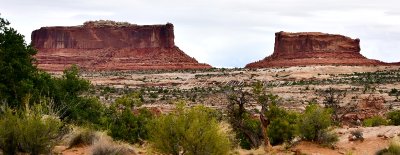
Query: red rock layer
pixel 107 45
pixel 314 48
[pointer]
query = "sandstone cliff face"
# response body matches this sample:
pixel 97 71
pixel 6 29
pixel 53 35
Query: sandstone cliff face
pixel 107 45
pixel 314 48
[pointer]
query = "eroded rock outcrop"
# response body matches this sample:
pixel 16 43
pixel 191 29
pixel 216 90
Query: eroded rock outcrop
pixel 108 45
pixel 314 48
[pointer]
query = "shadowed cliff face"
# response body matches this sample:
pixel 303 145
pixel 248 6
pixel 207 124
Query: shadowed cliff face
pixel 293 43
pixel 96 37
pixel 100 46
pixel 314 48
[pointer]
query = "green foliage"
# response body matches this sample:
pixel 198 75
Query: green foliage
pixel 124 122
pixel 327 138
pixel 87 111
pixel 17 70
pixel 69 87
pixel 9 132
pixel 251 129
pixel 132 100
pixel 30 131
pixel 394 92
pixel 375 121
pixel 283 127
pixel 38 134
pixel 189 131
pixel 394 117
pixel 130 127
pixel 69 96
pixel 393 149
pixel 248 130
pixel 314 121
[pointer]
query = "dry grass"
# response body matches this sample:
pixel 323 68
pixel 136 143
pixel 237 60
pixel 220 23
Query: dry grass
pixel 82 136
pixel 99 143
pixel 105 146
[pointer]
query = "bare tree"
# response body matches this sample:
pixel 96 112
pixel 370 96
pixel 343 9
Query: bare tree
pixel 237 114
pixel 332 98
pixel 263 99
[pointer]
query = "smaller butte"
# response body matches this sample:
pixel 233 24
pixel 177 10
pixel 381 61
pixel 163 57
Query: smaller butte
pixel 314 48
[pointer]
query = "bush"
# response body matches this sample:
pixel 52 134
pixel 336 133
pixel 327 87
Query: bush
pixel 251 129
pixel 314 122
pixel 356 135
pixel 131 100
pixel 9 132
pixel 375 121
pixel 130 127
pixel 393 149
pixel 283 126
pixel 39 134
pixel 29 131
pixel 88 111
pixel 192 131
pixel 327 138
pixel 247 128
pixel 394 117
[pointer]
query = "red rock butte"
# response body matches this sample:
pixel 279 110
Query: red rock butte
pixel 314 48
pixel 108 45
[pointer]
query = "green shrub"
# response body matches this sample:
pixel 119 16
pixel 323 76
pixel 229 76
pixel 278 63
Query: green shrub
pixel 192 131
pixel 130 127
pixel 88 111
pixel 283 126
pixel 39 134
pixel 375 121
pixel 394 117
pixel 247 128
pixel 327 138
pixel 314 122
pixel 251 129
pixel 9 132
pixel 131 100
pixel 393 149
pixel 29 131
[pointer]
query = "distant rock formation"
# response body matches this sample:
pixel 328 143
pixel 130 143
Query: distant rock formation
pixel 109 45
pixel 314 48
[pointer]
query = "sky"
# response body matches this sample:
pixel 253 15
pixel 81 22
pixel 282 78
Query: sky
pixel 226 33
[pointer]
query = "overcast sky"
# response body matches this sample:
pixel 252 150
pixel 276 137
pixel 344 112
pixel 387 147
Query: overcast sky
pixel 227 33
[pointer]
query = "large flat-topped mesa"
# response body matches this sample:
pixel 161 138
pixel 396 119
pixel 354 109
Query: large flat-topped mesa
pixel 314 48
pixel 109 45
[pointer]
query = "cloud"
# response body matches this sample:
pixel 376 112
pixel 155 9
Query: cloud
pixel 228 33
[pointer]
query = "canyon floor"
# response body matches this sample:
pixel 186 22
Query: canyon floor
pixel 296 87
